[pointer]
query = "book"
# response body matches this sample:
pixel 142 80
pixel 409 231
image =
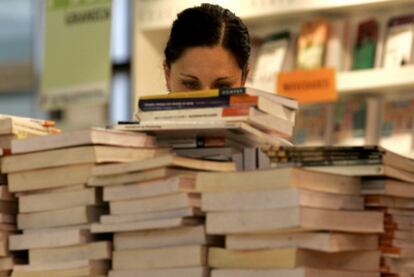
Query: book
pixel 150 188
pixel 29 120
pixel 191 235
pixel 271 58
pixel 83 137
pixel 292 257
pixel 49 239
pixel 201 142
pixel 277 178
pixel 239 132
pixel 179 256
pixel 369 170
pixel 12 125
pixel 77 155
pixel 61 176
pixel 312 42
pixel 387 187
pixel 295 218
pixel 327 242
pixel 210 153
pixel 284 117
pixel 145 225
pixel 399 41
pixel 59 200
pixel 71 268
pixel 387 201
pixel 100 250
pixel 337 44
pixel 278 198
pixel 297 272
pixel 162 161
pixel 154 204
pixel 133 217
pixel 63 217
pixel 135 177
pixel 182 272
pixel 208 98
pixel 365 46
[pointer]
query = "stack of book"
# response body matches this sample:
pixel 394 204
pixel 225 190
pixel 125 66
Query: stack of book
pixel 387 184
pixel 289 222
pixel 216 124
pixel 314 156
pixel 15 127
pixel 393 193
pixel 48 174
pixel 155 217
pixel 8 211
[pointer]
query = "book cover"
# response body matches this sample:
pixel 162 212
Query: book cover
pixel 399 41
pixel 270 60
pixel 312 44
pixel 366 43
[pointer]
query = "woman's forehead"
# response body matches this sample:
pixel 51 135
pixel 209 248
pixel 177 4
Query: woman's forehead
pixel 198 59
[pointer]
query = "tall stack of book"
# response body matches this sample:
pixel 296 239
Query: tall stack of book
pixel 216 124
pixel 393 193
pixel 14 127
pixel 49 174
pixel 289 222
pixel 155 217
pixel 8 211
pixel 387 184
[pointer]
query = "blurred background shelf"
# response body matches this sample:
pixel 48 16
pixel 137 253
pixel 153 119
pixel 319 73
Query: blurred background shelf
pixel 387 80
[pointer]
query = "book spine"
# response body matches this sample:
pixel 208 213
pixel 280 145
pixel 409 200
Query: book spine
pixel 198 94
pixel 220 113
pixel 184 103
pixel 192 103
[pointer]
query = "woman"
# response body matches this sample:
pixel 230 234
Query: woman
pixel 208 48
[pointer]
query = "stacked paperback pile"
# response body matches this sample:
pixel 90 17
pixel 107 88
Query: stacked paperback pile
pixel 393 193
pixel 387 184
pixel 8 211
pixel 155 217
pixel 216 124
pixel 13 127
pixel 49 174
pixel 289 222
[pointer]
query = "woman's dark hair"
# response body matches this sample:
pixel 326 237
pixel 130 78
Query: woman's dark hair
pixel 208 25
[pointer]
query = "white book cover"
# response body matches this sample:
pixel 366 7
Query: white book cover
pixel 399 42
pixel 270 61
pixel 337 44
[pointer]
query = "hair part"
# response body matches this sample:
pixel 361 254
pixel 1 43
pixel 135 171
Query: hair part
pixel 209 25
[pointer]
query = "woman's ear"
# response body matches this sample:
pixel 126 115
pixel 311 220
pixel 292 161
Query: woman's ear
pixel 245 75
pixel 167 75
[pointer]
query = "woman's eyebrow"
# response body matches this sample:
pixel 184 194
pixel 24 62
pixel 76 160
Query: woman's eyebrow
pixel 189 76
pixel 226 78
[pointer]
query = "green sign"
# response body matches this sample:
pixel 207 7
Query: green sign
pixel 76 58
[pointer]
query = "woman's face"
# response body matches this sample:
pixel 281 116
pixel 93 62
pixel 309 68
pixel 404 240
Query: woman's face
pixel 201 68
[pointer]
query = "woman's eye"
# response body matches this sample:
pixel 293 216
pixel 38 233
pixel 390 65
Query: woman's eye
pixel 192 85
pixel 222 85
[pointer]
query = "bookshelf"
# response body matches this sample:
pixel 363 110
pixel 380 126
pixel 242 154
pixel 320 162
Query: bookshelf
pixel 153 18
pixel 376 80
